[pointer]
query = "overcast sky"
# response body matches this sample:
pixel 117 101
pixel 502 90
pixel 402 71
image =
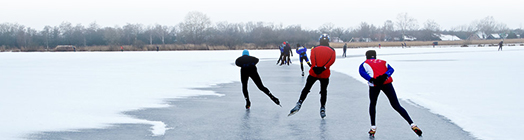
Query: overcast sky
pixel 309 14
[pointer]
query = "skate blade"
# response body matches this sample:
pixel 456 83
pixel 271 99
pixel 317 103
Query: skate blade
pixel 292 113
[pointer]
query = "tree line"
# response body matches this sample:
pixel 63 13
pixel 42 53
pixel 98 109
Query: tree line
pixel 197 28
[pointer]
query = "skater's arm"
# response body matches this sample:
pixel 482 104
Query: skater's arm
pixel 255 61
pixel 238 63
pixel 364 71
pixel 390 70
pixel 332 60
pixel 313 58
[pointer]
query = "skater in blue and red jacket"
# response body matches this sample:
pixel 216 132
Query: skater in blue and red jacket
pixel 322 57
pixel 378 73
pixel 302 52
pixel 248 69
pixel 281 52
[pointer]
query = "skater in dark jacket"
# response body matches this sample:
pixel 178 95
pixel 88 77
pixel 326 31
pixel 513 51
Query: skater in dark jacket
pixel 500 45
pixel 344 49
pixel 378 73
pixel 322 57
pixel 287 52
pixel 248 69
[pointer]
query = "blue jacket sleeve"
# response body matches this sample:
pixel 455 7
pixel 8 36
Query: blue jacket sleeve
pixel 390 71
pixel 363 72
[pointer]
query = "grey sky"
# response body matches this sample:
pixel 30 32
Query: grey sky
pixel 309 14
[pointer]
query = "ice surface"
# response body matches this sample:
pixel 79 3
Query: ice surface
pixel 476 88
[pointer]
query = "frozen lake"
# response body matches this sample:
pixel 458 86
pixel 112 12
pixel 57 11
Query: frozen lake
pixel 475 87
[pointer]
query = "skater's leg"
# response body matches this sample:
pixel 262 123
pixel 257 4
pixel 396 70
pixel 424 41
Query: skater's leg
pixel 307 61
pixel 256 79
pixel 309 83
pixel 323 96
pixel 244 77
pixel 301 66
pixel 373 96
pixel 323 91
pixel 393 100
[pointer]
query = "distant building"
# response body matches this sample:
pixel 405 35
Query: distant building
pixel 477 36
pixel 336 39
pixel 493 36
pixel 409 38
pixel 444 37
pixel 483 36
pixel 64 48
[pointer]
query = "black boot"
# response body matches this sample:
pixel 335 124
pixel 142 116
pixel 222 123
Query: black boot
pixel 248 104
pixel 275 99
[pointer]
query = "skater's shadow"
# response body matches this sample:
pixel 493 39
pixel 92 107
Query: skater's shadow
pixel 322 128
pixel 246 125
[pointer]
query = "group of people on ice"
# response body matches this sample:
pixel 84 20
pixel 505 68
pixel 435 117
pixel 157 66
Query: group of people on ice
pixel 376 71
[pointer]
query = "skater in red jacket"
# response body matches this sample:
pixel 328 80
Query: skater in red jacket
pixel 378 73
pixel 322 57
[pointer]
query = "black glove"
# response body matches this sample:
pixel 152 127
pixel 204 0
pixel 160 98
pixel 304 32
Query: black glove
pixel 380 79
pixel 318 70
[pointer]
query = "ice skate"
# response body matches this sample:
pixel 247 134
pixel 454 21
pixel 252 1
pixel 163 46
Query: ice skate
pixel 372 132
pixel 295 109
pixel 417 130
pixel 322 112
pixel 248 104
pixel 275 99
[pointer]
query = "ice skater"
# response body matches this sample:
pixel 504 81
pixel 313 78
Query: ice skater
pixel 322 57
pixel 344 49
pixel 500 45
pixel 281 53
pixel 302 52
pixel 378 73
pixel 248 69
pixel 287 51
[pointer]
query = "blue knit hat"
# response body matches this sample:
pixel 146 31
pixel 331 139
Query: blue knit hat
pixel 245 52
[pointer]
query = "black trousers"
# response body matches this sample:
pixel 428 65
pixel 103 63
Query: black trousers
pixel 245 74
pixel 323 89
pixel 393 100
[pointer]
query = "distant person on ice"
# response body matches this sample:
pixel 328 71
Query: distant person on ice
pixel 322 57
pixel 344 49
pixel 281 53
pixel 378 73
pixel 248 69
pixel 287 51
pixel 500 45
pixel 302 52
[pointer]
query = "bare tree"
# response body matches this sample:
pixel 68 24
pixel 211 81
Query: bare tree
pixel 46 33
pixel 431 25
pixel 161 32
pixel 488 25
pixel 326 28
pixel 112 36
pixel 406 23
pixel 337 32
pixel 388 29
pixel 194 26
